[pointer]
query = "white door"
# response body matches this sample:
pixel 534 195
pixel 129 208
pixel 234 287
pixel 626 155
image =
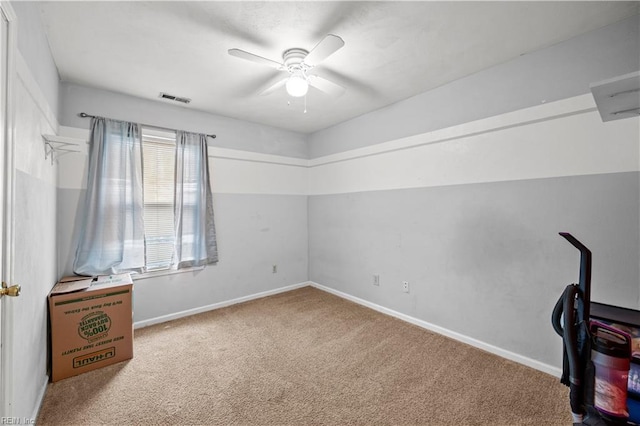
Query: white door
pixel 7 44
pixel 3 56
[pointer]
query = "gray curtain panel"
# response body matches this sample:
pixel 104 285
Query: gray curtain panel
pixel 195 230
pixel 111 235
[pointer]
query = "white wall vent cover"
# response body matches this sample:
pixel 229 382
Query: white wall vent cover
pixel 174 98
pixel 618 97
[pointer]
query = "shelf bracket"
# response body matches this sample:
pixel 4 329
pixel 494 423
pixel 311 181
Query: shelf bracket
pixel 57 146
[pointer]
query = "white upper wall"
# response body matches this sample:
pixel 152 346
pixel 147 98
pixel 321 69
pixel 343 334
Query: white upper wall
pixel 34 47
pixel 557 72
pixel 230 132
pixel 562 138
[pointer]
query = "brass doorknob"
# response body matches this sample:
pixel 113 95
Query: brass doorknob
pixel 12 291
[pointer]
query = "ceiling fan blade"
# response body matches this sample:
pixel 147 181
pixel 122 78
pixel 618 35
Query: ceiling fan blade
pixel 273 87
pixel 326 86
pixel 255 58
pixel 351 82
pixel 327 47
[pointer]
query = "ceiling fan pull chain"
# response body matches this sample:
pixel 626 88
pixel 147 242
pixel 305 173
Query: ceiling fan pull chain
pixel 305 104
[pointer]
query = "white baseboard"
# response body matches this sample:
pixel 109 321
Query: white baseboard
pixel 546 368
pixel 521 359
pixel 188 312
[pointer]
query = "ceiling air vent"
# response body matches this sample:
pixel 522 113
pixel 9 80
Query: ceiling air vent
pixel 174 98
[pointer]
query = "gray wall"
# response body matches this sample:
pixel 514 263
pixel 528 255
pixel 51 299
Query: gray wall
pixel 561 71
pixel 254 232
pixel 231 133
pixel 34 47
pixel 484 260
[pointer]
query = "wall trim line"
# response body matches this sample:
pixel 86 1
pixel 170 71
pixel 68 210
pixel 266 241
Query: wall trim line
pixel 576 105
pixel 169 317
pixel 582 104
pixel 451 138
pixel 80 136
pixel 503 353
pixel 279 163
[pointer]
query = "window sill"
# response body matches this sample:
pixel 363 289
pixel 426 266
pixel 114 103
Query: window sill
pixel 161 273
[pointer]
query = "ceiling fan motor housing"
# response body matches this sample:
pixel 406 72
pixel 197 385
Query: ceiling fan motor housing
pixel 293 58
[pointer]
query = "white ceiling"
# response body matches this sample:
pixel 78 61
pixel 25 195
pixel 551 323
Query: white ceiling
pixel 393 50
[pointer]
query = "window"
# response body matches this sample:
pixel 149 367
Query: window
pixel 158 156
pixel 141 214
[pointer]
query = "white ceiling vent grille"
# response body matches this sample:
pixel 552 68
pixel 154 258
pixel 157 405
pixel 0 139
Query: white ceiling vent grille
pixel 174 98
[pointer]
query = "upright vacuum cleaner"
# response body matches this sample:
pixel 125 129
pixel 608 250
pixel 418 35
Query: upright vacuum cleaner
pixel 596 356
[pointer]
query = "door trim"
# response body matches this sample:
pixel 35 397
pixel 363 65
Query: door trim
pixel 6 321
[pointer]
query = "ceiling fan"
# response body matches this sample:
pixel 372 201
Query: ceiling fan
pixel 298 62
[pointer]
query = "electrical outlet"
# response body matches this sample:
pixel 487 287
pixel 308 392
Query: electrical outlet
pixel 376 279
pixel 274 269
pixel 405 286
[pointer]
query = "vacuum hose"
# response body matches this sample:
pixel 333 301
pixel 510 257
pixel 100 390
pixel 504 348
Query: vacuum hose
pixel 565 307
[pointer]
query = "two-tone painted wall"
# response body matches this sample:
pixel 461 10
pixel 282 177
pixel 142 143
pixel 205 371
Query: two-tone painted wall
pixel 462 191
pixel 260 204
pixel 470 216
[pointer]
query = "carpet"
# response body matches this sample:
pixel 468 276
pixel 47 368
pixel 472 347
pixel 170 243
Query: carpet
pixel 304 357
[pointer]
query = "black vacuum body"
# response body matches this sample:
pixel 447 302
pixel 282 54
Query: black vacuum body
pixel 571 320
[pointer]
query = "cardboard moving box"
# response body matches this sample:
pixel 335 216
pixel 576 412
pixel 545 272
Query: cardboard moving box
pixel 91 324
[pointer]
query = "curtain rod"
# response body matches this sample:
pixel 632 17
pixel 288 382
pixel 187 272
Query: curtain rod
pixel 85 115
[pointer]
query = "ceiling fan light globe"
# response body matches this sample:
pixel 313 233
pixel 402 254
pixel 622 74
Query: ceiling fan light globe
pixel 297 86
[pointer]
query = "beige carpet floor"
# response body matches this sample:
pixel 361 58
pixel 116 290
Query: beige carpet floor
pixel 304 357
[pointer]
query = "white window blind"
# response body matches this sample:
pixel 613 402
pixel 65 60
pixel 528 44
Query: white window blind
pixel 158 153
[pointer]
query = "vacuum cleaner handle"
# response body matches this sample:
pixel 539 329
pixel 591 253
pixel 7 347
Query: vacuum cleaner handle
pixel 585 275
pixel 573 240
